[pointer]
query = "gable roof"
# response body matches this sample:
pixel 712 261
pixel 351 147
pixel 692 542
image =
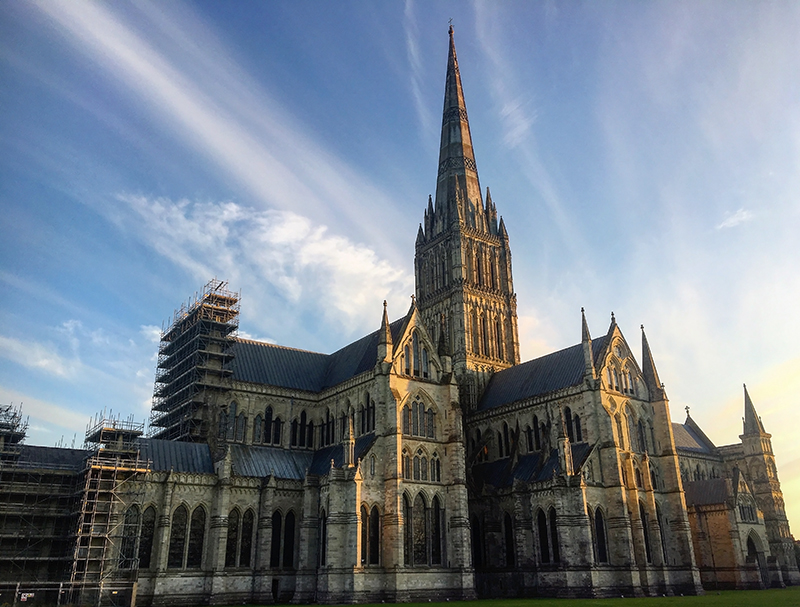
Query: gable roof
pixel 539 376
pixel 688 437
pixel 263 363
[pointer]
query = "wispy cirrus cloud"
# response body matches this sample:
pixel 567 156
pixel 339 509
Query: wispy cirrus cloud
pixel 739 217
pixel 424 115
pixel 270 254
pixel 188 81
pixel 52 418
pixel 39 356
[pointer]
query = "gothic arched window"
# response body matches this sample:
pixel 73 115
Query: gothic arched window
pixel 415 345
pixel 544 542
pixel 232 544
pixel 276 431
pixel 374 536
pixel 275 544
pixel 241 423
pixel 258 430
pixel 268 426
pixel 130 531
pixel 600 536
pixel 197 534
pixel 246 544
pixel 231 420
pixel 177 538
pixel 420 530
pixel 437 539
pixel 568 420
pixel 147 536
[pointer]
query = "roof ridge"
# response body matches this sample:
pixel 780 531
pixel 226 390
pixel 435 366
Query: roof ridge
pixel 271 345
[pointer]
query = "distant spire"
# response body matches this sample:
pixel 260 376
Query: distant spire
pixel 589 370
pixel 649 371
pixel 456 156
pixel 752 423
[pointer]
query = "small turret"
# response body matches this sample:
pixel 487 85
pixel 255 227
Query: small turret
pixel 589 370
pixel 651 380
pixel 385 338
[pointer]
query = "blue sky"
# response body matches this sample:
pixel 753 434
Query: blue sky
pixel 645 157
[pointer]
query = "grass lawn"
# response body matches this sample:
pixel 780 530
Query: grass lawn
pixel 775 597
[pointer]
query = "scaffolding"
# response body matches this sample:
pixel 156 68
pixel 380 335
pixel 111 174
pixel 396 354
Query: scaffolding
pixel 193 363
pixel 37 505
pixel 12 432
pixel 104 562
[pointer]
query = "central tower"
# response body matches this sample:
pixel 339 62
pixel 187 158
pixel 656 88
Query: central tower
pixel 465 292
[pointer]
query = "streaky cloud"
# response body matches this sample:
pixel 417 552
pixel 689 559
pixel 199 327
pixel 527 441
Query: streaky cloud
pixel 739 217
pixel 198 92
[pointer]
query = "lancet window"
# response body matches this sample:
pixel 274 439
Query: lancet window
pixel 147 537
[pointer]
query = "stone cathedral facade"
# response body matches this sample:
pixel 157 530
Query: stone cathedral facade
pixel 424 461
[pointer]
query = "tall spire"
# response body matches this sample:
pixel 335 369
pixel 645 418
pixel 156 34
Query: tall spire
pixel 752 423
pixel 649 371
pixel 456 157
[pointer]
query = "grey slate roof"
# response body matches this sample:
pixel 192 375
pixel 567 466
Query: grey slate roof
pixel 703 493
pixel 259 461
pixel 687 439
pixel 54 458
pixel 539 376
pixel 263 363
pixel 166 455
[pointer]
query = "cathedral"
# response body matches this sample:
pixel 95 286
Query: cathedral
pixel 423 461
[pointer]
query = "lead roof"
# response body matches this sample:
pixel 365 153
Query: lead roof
pixel 273 365
pixel 541 375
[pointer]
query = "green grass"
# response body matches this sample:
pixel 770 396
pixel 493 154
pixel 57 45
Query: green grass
pixel 775 597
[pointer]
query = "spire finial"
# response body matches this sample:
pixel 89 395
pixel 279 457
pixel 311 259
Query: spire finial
pixel 687 411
